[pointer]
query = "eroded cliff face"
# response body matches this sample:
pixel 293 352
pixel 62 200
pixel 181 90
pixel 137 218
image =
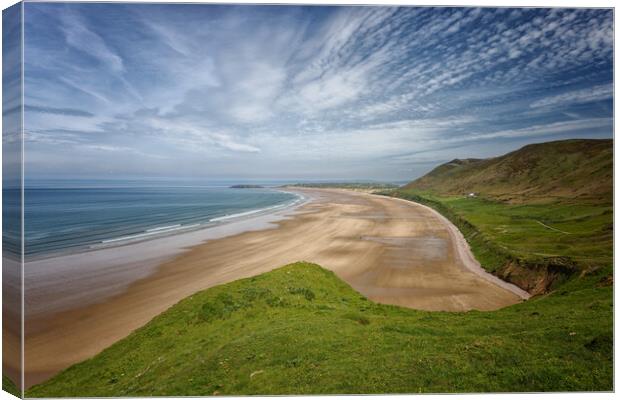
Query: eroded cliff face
pixel 538 278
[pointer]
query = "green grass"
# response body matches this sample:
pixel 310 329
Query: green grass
pixel 10 387
pixel 580 233
pixel 299 329
pixel 560 170
pixel 540 214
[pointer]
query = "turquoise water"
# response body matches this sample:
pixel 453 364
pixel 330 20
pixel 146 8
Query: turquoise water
pixel 62 216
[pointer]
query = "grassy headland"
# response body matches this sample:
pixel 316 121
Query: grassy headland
pixel 299 329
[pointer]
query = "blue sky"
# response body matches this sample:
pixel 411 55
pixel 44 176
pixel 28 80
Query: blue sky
pixel 288 92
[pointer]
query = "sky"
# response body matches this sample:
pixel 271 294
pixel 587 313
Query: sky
pixel 299 93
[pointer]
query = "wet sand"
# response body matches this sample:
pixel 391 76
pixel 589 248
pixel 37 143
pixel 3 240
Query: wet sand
pixel 392 251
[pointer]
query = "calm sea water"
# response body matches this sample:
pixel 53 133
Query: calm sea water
pixel 63 216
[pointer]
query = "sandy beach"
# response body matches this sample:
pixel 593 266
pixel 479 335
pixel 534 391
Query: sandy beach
pixel 392 251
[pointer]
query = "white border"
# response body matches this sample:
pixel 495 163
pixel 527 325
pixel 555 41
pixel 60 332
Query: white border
pixel 483 3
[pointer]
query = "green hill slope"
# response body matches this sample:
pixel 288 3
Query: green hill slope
pixel 541 214
pixel 570 169
pixel 299 330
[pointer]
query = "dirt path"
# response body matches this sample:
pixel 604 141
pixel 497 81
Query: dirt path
pixel 392 251
pixel 552 228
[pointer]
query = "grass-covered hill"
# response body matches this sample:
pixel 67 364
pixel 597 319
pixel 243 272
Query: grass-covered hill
pixel 569 169
pixel 541 214
pixel 299 329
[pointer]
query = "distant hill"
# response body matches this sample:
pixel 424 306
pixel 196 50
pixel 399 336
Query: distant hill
pixel 365 186
pixel 568 169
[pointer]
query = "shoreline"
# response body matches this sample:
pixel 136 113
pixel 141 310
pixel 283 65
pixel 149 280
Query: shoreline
pixel 130 261
pixel 467 257
pixel 391 252
pixel 173 229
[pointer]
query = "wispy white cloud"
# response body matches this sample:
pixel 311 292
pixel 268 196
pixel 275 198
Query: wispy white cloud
pixel 83 87
pixel 580 96
pixel 260 87
pixel 80 37
pixel 561 127
pixel 121 149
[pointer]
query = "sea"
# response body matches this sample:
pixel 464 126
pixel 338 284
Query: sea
pixel 78 215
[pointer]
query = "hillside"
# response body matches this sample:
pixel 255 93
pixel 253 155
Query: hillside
pixel 540 215
pixel 569 169
pixel 301 330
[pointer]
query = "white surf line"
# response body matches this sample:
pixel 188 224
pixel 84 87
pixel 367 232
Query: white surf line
pixel 552 228
pixel 163 227
pixel 150 233
pixel 243 214
pixel 298 202
pixel 251 212
pixel 178 227
pixel 465 254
